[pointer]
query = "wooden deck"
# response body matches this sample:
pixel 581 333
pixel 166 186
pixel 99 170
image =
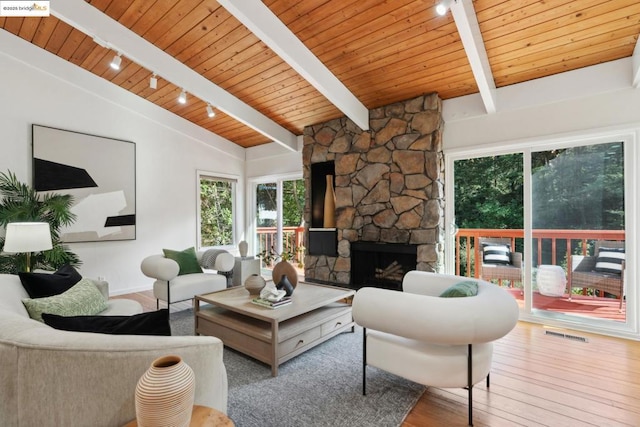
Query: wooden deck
pixel 579 305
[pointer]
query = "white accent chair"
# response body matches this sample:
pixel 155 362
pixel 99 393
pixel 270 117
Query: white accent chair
pixel 434 341
pixel 171 288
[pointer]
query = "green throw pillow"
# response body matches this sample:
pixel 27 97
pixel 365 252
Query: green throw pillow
pixel 186 259
pixel 461 289
pixel 82 299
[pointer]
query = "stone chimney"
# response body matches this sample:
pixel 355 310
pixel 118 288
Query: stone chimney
pixel 389 184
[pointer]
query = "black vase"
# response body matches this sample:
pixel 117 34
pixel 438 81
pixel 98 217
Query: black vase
pixel 285 284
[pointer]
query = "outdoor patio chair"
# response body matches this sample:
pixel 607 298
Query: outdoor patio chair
pixel 602 272
pixel 499 262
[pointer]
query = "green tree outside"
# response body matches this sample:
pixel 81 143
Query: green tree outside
pixel 216 212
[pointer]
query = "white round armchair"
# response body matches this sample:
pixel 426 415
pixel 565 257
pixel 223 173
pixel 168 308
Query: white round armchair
pixel 432 340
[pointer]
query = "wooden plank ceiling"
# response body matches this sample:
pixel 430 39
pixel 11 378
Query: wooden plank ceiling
pixel 382 51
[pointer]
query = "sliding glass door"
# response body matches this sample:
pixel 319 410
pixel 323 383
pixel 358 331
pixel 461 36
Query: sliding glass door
pixel 578 231
pixel 549 224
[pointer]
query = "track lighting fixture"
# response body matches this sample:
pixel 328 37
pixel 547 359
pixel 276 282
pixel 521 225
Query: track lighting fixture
pixel 210 111
pixel 182 99
pixel 116 61
pixel 443 6
pixel 153 82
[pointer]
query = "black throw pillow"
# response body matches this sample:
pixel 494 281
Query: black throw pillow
pixel 42 285
pixel 150 323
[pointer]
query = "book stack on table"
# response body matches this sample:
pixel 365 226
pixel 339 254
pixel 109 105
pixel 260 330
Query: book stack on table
pixel 269 304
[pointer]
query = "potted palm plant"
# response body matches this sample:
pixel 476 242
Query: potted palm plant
pixel 19 202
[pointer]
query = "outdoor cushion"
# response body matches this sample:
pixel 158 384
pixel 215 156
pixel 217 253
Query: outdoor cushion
pixel 610 260
pixel 496 253
pixel 186 259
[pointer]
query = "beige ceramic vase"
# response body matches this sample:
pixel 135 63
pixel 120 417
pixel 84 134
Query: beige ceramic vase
pixel 254 284
pixel 165 394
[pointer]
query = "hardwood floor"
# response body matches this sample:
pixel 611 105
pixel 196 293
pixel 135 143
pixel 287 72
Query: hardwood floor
pixel 536 380
pixel 544 380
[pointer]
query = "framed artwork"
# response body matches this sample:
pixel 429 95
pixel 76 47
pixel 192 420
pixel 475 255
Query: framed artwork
pixel 99 172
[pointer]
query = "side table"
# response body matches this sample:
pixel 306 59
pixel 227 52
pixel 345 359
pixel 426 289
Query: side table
pixel 243 268
pixel 551 280
pixel 202 416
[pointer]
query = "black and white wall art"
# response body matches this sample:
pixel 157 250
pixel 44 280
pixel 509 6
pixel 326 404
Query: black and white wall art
pixel 99 172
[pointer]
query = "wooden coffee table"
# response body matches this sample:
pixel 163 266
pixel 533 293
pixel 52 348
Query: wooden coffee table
pixel 274 336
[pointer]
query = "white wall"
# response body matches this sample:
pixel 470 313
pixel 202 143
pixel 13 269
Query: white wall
pixel 574 102
pixel 169 150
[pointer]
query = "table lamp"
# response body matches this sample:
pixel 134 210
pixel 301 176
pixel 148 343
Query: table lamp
pixel 27 237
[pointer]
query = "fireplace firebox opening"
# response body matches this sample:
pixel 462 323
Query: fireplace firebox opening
pixel 381 265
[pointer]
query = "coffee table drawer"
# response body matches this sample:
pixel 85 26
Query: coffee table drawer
pixel 336 323
pixel 299 341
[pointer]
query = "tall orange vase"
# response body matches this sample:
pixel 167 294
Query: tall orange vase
pixel 329 204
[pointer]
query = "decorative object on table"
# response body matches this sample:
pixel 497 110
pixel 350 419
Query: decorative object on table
pixel 329 219
pixel 165 393
pixel 19 202
pixel 254 284
pixel 285 285
pixel 104 185
pixel 243 248
pixel 284 268
pixel 270 293
pixel 270 304
pixel 27 237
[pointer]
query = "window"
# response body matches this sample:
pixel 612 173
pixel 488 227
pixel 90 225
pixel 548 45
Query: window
pixel 278 214
pixel 216 211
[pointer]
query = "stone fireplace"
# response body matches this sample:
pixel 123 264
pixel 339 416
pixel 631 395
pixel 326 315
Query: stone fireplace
pixel 389 187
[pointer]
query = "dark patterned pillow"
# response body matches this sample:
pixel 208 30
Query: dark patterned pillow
pixel 495 253
pixel 151 323
pixel 42 285
pixel 610 260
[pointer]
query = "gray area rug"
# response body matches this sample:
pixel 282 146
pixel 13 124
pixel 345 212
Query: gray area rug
pixel 322 387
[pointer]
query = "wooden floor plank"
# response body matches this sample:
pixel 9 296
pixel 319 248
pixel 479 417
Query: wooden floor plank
pixel 536 380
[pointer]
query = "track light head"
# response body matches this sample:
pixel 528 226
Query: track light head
pixel 153 82
pixel 182 99
pixel 210 111
pixel 116 61
pixel 443 6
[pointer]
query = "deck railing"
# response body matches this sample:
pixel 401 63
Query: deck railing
pixel 552 247
pixel 292 240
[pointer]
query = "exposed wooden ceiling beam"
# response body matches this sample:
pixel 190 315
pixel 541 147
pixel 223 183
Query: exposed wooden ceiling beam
pixel 259 19
pixel 94 23
pixel 466 21
pixel 636 65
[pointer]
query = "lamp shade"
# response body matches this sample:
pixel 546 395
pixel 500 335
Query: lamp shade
pixel 27 237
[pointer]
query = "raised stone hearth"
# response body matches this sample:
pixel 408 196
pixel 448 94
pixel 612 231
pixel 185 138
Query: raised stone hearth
pixel 389 183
